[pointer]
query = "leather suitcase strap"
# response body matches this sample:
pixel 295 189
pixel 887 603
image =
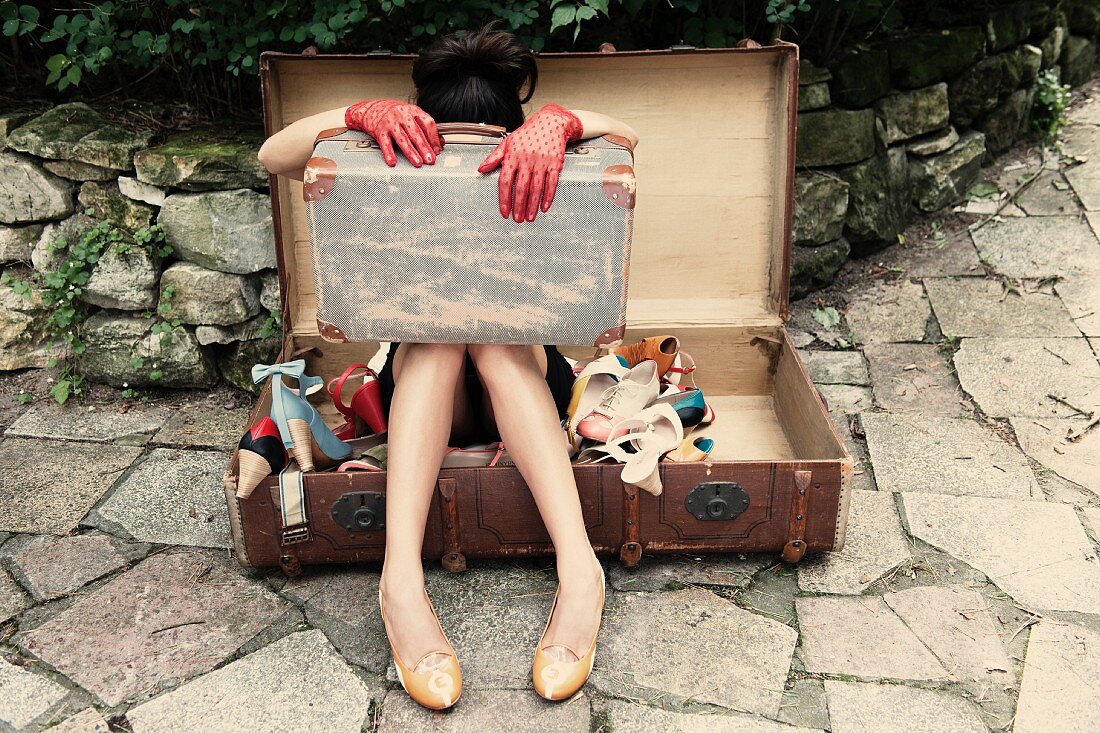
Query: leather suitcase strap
pixel 631 551
pixel 796 528
pixel 453 560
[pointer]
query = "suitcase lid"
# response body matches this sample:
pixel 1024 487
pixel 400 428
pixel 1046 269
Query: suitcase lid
pixel 712 226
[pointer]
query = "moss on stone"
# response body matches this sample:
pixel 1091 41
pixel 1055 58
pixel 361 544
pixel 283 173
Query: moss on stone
pixel 204 159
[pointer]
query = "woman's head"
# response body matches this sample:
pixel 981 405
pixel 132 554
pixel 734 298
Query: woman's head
pixel 476 77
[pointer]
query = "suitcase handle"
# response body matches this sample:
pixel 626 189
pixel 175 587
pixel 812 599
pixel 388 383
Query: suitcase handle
pixel 470 128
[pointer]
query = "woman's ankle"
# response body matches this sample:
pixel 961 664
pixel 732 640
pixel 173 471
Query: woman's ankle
pixel 398 578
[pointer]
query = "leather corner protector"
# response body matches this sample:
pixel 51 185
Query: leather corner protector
pixel 330 132
pixel 611 336
pixel 619 185
pixel 618 140
pixel 747 43
pixel 318 178
pixel 329 332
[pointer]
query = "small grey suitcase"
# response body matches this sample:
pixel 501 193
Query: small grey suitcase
pixel 423 254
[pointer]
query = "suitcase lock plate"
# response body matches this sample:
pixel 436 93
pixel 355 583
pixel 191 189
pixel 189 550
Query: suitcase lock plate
pixel 715 501
pixel 361 511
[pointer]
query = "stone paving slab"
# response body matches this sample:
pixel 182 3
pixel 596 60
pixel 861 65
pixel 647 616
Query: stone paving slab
pixel 835 367
pixel 846 399
pixel 75 422
pixel 343 602
pixel 202 425
pixel 981 307
pixel 1044 440
pixel 956 625
pixel 696 645
pixel 48 486
pixel 173 496
pixel 493 615
pixel 484 711
pixel 804 704
pixel 945 455
pixel 1093 218
pixel 1049 195
pixel 862 475
pixel 86 721
pixel 173 616
pixel 874 544
pixel 956 256
pixel 1081 297
pixel 298 683
pixel 12 598
pixel 1034 551
pixel 1061 685
pixel 671 572
pixel 1039 247
pixel 51 567
pixel 914 377
pixel 25 696
pixel 861 637
pixel 1085 180
pixel 1012 377
pixel 635 718
pixel 889 312
pixel 857 707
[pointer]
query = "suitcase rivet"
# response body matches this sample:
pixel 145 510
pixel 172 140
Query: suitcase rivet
pixel 797 543
pixel 630 521
pixel 450 526
pixel 799 517
pixel 802 491
pixel 817 486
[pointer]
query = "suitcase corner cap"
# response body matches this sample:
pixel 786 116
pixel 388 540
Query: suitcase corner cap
pixel 318 178
pixel 619 185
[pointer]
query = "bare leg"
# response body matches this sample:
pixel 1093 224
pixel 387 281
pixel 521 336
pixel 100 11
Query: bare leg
pixel 525 415
pixel 429 400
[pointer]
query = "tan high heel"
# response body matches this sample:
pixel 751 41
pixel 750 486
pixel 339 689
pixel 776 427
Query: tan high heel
pixel 558 680
pixel 437 687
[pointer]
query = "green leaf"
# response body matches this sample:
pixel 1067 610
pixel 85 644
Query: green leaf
pixel 984 190
pixel 62 391
pixel 73 75
pixel 563 16
pixel 827 317
pixel 585 13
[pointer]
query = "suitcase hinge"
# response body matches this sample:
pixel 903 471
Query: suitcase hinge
pixel 796 529
pixel 453 560
pixel 630 554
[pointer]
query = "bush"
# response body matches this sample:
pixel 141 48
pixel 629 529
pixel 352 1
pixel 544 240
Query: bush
pixel 1048 115
pixel 204 52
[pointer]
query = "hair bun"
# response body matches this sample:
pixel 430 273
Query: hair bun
pixel 489 54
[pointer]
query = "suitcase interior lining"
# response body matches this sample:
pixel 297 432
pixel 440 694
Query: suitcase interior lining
pixel 765 404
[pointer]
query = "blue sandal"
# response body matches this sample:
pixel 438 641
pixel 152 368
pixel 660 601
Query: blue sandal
pixel 303 431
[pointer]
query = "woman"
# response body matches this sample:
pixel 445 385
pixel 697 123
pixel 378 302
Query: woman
pixel 438 394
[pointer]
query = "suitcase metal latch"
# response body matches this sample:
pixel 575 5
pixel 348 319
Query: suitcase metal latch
pixel 361 511
pixel 715 501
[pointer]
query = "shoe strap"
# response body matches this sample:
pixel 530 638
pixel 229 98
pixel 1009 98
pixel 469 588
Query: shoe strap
pixel 295 369
pixel 336 386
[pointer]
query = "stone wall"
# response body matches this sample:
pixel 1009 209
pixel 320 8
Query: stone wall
pixel 886 132
pixel 904 126
pixel 208 193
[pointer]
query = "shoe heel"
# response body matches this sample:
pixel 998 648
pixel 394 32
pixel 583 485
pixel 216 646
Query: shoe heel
pixel 252 469
pixel 302 447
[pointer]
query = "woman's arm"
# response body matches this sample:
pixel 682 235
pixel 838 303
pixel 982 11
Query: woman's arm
pixel 596 124
pixel 287 151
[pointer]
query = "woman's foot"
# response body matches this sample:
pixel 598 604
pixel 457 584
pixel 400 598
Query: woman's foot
pixel 411 624
pixel 576 618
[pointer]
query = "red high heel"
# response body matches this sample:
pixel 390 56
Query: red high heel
pixel 366 401
pixel 261 454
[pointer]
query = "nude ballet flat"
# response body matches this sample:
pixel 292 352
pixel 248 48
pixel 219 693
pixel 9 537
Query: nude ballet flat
pixel 437 686
pixel 558 680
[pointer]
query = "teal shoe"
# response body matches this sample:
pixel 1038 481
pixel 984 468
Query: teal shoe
pixel 301 427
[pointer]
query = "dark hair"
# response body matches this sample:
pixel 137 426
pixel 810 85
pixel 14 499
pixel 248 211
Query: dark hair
pixel 476 77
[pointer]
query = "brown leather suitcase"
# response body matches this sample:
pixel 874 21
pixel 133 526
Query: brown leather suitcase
pixel 710 263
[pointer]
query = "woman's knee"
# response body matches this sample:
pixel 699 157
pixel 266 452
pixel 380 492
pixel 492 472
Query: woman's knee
pixel 497 362
pixel 448 358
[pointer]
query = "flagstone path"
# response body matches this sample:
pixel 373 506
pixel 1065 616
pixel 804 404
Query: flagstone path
pixel 957 365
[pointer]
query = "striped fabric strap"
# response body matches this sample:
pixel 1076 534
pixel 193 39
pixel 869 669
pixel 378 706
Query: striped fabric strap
pixel 292 502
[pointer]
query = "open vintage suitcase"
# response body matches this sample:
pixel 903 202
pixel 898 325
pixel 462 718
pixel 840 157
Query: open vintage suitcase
pixel 709 263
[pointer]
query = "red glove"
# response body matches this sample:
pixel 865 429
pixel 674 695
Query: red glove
pixel 389 121
pixel 531 159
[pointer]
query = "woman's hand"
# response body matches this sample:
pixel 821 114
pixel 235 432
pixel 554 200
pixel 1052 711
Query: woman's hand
pixel 530 160
pixel 389 121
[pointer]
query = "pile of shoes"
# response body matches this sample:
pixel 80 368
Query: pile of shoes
pixel 295 432
pixel 637 405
